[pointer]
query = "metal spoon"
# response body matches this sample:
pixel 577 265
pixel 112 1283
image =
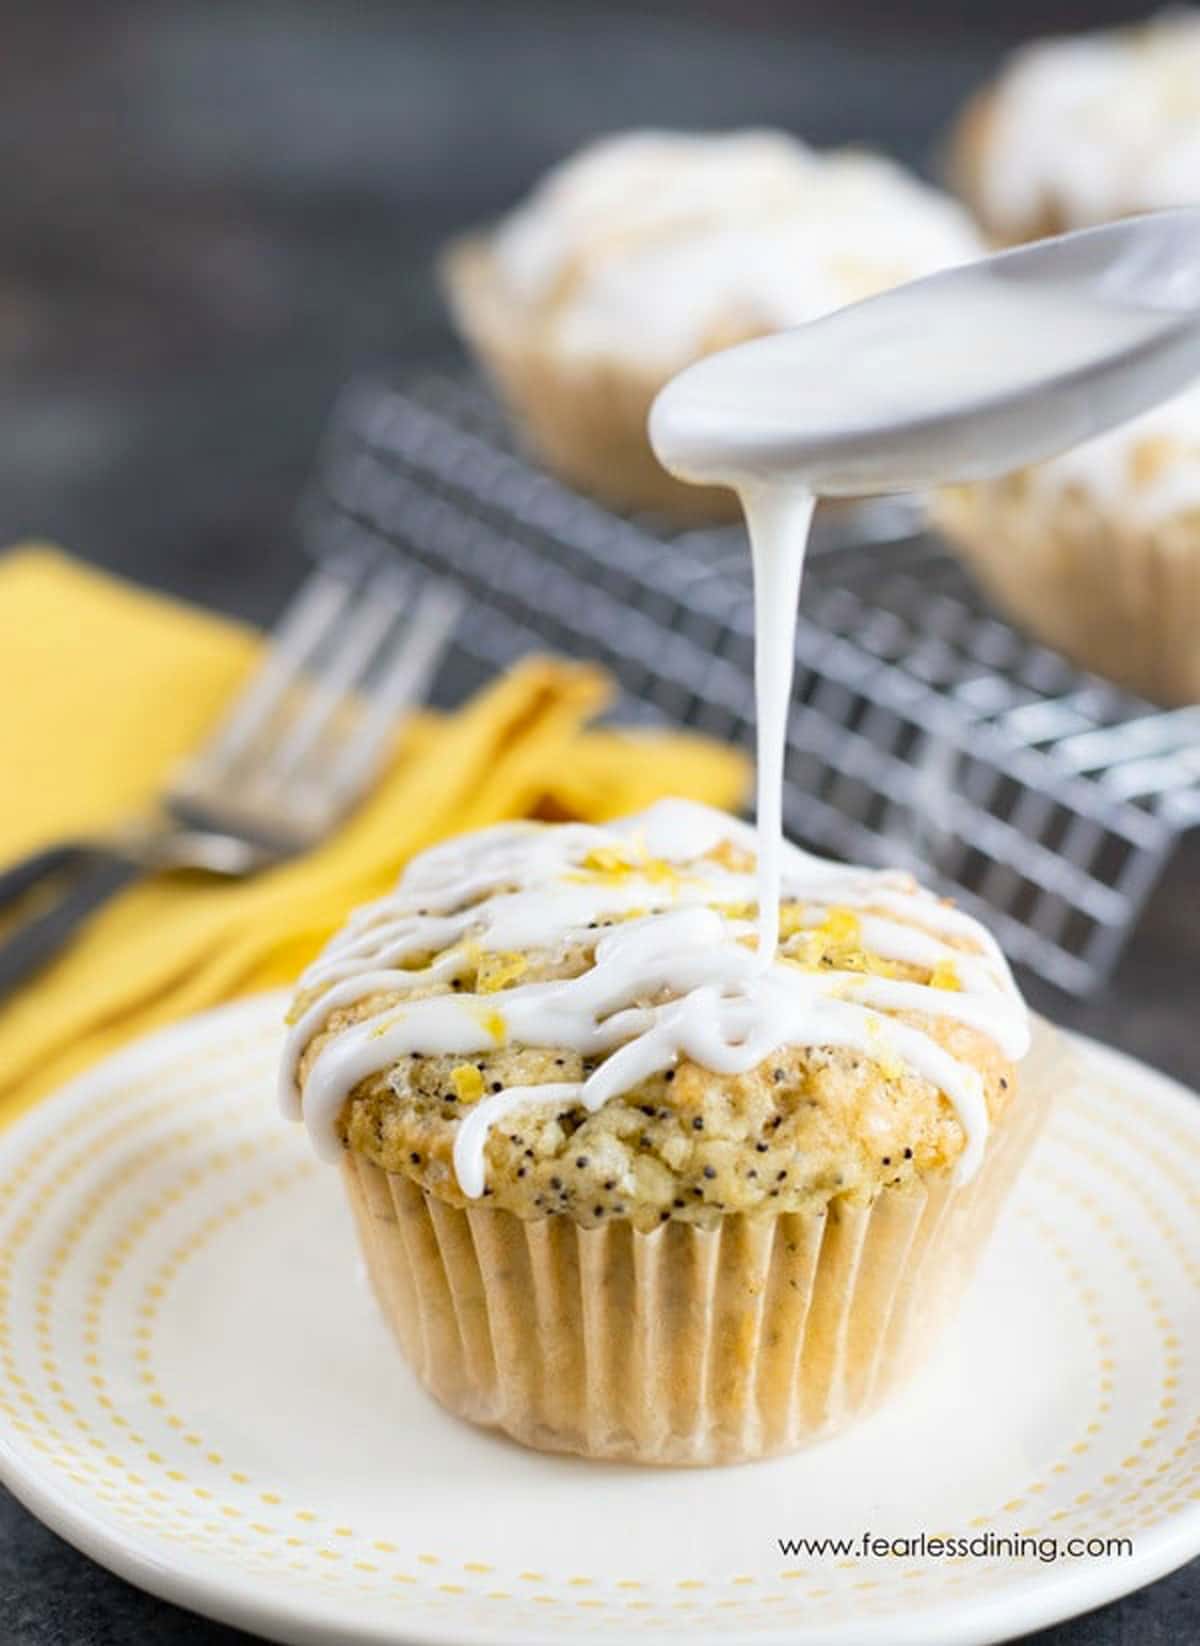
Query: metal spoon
pixel 961 376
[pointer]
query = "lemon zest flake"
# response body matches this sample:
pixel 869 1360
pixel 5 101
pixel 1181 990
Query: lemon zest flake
pixel 833 945
pixel 609 865
pixel 791 920
pixel 499 971
pixel 945 976
pixel 494 1024
pixel 604 863
pixel 659 872
pixel 841 927
pixel 736 911
pixel 467 1082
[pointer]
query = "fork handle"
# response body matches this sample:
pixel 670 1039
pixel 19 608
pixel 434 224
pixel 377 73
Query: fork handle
pixel 24 875
pixel 98 873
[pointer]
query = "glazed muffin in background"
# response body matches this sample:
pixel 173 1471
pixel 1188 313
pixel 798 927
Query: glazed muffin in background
pixel 645 251
pixel 1081 129
pixel 620 1195
pixel 1098 551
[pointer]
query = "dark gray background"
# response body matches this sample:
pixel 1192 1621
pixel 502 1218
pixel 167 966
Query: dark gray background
pixel 212 210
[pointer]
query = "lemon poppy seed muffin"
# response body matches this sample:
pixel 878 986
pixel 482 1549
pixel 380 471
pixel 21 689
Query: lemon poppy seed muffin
pixel 649 249
pixel 623 1189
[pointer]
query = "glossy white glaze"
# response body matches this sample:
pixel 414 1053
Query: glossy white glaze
pixel 719 1001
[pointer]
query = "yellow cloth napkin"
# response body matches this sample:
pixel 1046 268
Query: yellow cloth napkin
pixel 105 687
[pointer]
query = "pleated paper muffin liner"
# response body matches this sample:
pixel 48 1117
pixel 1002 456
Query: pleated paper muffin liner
pixel 1120 599
pixel 683 1345
pixel 585 417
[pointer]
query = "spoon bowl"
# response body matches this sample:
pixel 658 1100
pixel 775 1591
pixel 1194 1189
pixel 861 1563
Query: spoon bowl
pixel 963 375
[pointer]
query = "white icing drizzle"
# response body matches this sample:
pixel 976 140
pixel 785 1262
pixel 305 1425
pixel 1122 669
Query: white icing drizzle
pixel 778 520
pixel 718 1001
pixel 1096 125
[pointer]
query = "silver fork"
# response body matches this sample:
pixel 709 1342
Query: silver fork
pixel 299 748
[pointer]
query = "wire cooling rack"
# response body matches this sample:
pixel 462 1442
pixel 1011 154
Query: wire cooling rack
pixel 924 730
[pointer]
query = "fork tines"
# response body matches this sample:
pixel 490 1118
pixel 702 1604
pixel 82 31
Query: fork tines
pixel 353 650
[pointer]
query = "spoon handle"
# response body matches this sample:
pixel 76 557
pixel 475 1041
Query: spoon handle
pixel 96 875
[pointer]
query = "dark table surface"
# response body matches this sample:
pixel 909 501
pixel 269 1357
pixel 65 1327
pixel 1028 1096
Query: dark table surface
pixel 210 213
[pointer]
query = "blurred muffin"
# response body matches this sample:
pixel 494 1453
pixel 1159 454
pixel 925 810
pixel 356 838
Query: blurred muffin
pixel 647 250
pixel 1083 129
pixel 1098 551
pixel 619 1192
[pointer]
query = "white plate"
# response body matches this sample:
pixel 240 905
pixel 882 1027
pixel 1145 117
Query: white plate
pixel 195 1389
